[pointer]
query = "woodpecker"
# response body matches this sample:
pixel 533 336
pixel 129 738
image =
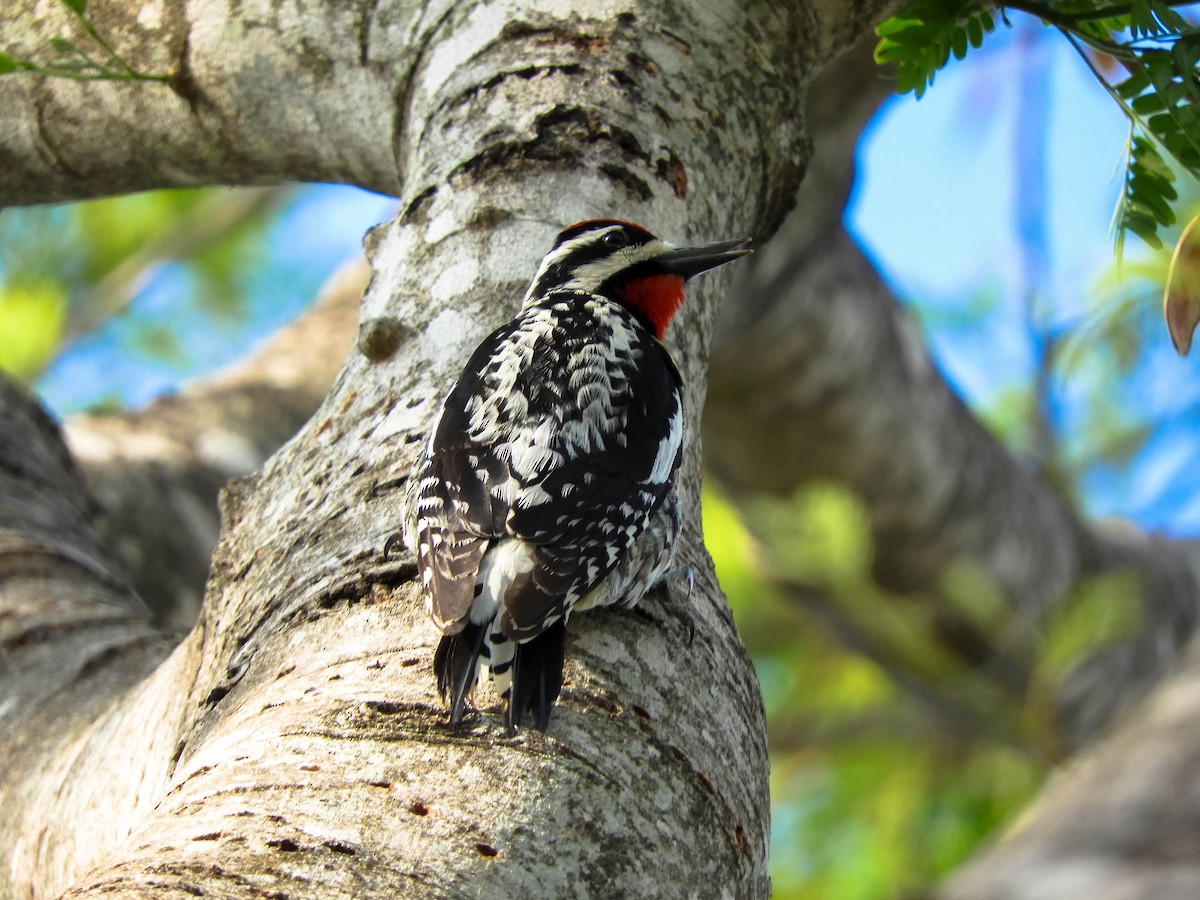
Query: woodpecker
pixel 548 483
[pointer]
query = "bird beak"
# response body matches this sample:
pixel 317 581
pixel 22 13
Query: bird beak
pixel 691 261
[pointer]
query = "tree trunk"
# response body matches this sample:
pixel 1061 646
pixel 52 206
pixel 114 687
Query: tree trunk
pixel 292 744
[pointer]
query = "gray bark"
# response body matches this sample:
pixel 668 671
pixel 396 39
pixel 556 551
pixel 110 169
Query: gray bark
pixel 292 744
pixel 1119 823
pixel 263 92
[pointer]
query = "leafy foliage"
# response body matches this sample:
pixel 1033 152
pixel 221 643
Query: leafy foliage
pixel 33 312
pixel 921 39
pixel 120 249
pixel 1127 411
pixel 1148 39
pixel 892 756
pixel 1144 204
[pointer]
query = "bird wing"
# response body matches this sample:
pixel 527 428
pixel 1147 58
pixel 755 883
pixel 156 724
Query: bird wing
pixel 457 518
pixel 611 460
pixel 564 432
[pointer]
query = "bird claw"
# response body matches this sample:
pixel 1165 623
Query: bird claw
pixel 686 614
pixel 683 612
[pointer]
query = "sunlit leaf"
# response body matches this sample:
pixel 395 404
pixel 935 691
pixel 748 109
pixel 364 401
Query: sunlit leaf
pixel 1104 610
pixel 968 589
pixel 1181 299
pixel 33 314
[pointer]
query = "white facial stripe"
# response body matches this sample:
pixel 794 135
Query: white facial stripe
pixel 589 276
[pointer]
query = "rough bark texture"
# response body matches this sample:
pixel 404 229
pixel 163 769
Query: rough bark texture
pixel 72 638
pixel 292 744
pixel 262 92
pixel 258 93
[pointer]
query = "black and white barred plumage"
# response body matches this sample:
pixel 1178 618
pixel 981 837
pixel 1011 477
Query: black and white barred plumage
pixel 548 484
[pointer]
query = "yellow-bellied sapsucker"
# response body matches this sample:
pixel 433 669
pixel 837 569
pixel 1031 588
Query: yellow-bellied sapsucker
pixel 548 483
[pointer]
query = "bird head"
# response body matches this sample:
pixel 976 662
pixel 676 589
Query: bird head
pixel 628 264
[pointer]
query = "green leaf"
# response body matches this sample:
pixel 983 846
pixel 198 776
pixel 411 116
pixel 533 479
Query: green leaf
pixel 1155 182
pixel 1172 21
pixel 943 57
pixel 1133 85
pixel 62 45
pixel 1160 67
pixel 1143 226
pixel 975 32
pixel 79 7
pixel 1106 609
pixel 1141 21
pixel 959 43
pixel 1150 167
pixel 895 25
pixel 1185 53
pixel 921 39
pixel 1147 104
pixel 33 314
pixel 1154 206
pixel 1161 95
pixel 1163 125
pixel 1147 157
pixel 14 64
pixel 1145 201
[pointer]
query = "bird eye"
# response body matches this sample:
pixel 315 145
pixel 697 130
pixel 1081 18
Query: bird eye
pixel 615 240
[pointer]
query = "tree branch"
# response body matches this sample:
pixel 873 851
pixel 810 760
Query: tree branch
pixel 72 637
pixel 252 99
pixel 1120 821
pixel 306 92
pixel 171 458
pixel 817 373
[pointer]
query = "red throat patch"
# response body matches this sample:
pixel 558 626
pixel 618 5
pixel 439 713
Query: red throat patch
pixel 656 297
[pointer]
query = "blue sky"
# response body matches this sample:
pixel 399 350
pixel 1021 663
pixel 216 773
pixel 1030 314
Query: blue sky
pixel 941 186
pixel 999 185
pixel 317 231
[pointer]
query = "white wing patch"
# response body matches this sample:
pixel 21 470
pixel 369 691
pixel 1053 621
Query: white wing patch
pixel 668 450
